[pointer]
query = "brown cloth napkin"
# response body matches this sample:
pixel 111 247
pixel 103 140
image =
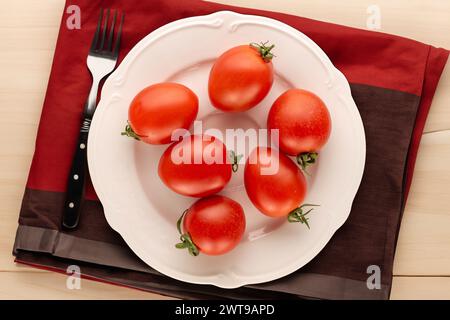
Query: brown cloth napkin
pixel 393 80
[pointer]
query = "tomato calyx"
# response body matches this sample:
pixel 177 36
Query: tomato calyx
pixel 235 160
pixel 298 215
pixel 306 159
pixel 185 238
pixel 129 132
pixel 264 50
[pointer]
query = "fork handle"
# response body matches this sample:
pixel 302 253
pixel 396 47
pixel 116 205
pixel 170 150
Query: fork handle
pixel 76 181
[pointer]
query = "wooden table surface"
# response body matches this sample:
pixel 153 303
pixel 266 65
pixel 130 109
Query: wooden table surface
pixel 28 31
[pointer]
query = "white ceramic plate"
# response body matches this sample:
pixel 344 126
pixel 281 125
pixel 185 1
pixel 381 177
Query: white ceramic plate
pixel 124 172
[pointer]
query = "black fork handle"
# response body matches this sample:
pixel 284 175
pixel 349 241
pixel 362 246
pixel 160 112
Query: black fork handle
pixel 77 177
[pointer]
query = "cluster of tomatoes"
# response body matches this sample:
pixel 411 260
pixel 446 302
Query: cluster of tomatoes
pixel 239 80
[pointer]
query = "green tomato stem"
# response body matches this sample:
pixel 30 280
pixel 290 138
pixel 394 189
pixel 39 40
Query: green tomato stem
pixel 235 160
pixel 185 238
pixel 307 159
pixel 298 215
pixel 264 50
pixel 129 132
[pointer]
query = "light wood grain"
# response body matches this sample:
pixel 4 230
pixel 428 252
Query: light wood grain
pixel 28 30
pixel 424 242
pixel 420 288
pixel 26 285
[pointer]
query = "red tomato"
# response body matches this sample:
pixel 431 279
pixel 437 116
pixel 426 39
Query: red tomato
pixel 274 184
pixel 212 225
pixel 303 122
pixel 241 77
pixel 160 109
pixel 196 166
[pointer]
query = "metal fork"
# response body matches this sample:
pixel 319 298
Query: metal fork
pixel 101 61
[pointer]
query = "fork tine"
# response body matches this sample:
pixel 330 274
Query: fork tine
pixel 105 26
pixel 97 31
pixel 119 36
pixel 111 33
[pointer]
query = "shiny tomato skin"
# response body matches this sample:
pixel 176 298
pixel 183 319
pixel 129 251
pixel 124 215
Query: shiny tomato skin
pixel 277 194
pixel 160 109
pixel 239 79
pixel 303 121
pixel 216 224
pixel 195 178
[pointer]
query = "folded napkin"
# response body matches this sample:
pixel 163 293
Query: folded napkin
pixel 392 79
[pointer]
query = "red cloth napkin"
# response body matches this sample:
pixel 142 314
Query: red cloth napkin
pixel 393 81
